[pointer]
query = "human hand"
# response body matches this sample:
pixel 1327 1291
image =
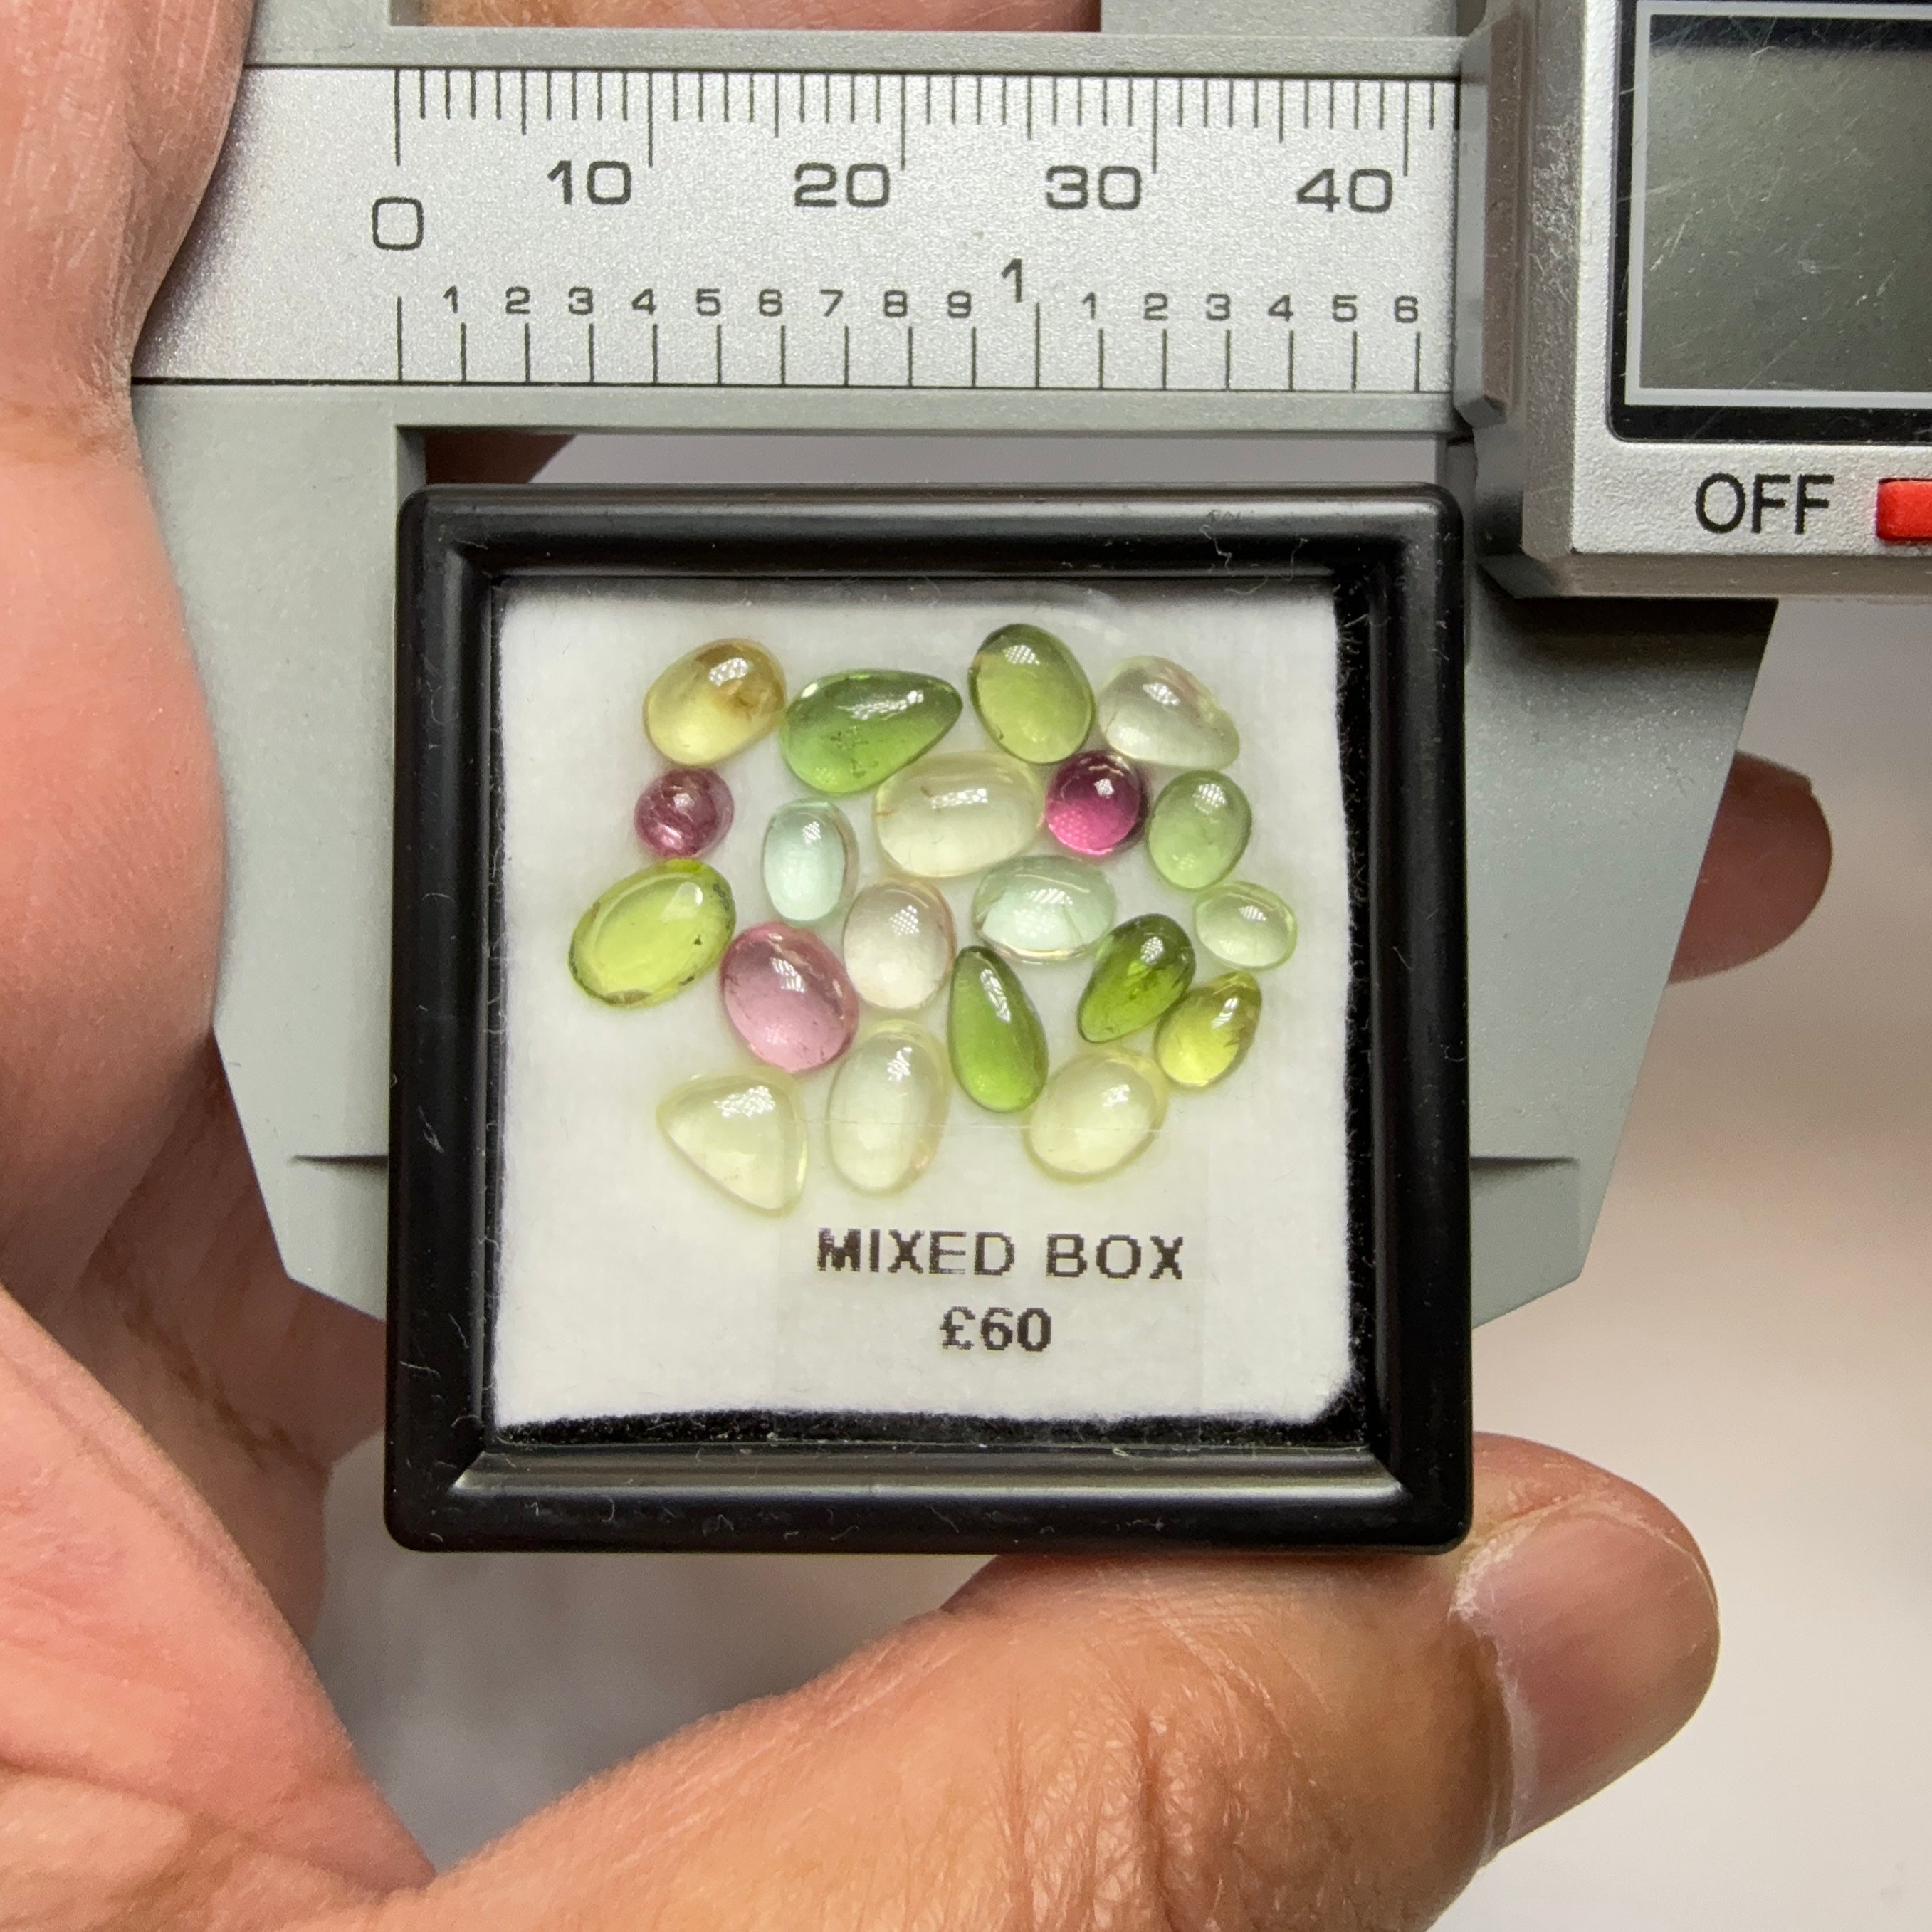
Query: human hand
pixel 1329 1735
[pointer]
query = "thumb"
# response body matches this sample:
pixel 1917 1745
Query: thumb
pixel 111 112
pixel 1196 1741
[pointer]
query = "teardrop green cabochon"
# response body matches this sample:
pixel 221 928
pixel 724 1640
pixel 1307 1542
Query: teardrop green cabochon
pixel 850 731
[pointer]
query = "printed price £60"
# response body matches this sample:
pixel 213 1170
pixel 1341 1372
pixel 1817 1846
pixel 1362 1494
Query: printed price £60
pixel 997 1330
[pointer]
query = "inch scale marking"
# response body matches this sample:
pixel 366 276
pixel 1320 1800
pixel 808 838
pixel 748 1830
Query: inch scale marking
pixel 814 230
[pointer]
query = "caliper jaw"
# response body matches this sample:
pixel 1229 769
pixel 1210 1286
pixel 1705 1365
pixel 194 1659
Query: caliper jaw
pixel 1599 736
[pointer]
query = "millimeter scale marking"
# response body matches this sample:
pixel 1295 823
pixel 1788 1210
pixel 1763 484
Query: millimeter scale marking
pixel 691 229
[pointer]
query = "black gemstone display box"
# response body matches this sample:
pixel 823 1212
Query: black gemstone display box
pixel 668 1271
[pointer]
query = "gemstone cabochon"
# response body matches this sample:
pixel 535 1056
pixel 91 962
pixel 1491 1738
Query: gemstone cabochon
pixel 743 1132
pixel 1031 695
pixel 1043 908
pixel 899 944
pixel 1142 968
pixel 997 1045
pixel 787 998
pixel 1198 828
pixel 957 814
pixel 848 732
pixel 652 934
pixel 1152 710
pixel 684 812
pixel 1099 1111
pixel 887 1114
pixel 714 702
pixel 1246 926
pixel 1031 822
pixel 1097 804
pixel 810 860
pixel 1206 1033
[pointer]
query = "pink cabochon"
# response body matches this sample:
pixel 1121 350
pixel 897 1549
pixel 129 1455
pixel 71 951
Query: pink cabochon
pixel 788 997
pixel 682 813
pixel 1095 803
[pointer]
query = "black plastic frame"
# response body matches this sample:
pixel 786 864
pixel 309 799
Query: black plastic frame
pixel 1390 1466
pixel 1747 422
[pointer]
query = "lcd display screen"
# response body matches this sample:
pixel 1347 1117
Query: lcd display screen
pixel 1781 245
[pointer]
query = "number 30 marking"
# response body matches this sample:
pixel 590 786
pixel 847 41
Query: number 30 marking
pixel 1116 189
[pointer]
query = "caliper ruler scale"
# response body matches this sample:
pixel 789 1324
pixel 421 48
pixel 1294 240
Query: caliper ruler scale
pixel 280 420
pixel 938 232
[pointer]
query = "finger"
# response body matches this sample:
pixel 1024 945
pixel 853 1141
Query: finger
pixel 1296 1742
pixel 169 1759
pixel 1765 870
pixel 254 1388
pixel 110 115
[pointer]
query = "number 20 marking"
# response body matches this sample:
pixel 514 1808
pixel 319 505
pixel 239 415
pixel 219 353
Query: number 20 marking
pixel 815 185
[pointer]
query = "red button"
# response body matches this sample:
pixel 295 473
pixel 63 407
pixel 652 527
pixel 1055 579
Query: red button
pixel 1905 510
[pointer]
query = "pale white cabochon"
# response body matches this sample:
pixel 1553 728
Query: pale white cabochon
pixel 628 1285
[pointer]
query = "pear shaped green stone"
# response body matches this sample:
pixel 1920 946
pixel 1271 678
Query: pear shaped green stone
pixel 997 1044
pixel 1199 829
pixel 1204 1037
pixel 1143 967
pixel 651 935
pixel 1031 695
pixel 849 732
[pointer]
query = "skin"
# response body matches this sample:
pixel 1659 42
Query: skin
pixel 1195 1741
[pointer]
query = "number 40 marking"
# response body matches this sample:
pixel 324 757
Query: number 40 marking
pixel 1371 191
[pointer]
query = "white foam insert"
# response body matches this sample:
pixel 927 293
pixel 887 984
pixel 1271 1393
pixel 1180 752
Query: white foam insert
pixel 628 1285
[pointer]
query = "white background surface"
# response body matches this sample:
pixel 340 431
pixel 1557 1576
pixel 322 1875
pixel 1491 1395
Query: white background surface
pixel 1753 1339
pixel 629 1284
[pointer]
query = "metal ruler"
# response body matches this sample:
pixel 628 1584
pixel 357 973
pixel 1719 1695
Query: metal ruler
pixel 955 232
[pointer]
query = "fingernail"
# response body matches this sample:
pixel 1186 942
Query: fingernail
pixel 1604 1633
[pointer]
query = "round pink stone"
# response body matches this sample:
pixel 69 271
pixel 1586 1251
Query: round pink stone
pixel 683 814
pixel 786 995
pixel 1095 803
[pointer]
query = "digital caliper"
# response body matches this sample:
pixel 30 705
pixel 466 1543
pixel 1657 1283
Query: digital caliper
pixel 1654 276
